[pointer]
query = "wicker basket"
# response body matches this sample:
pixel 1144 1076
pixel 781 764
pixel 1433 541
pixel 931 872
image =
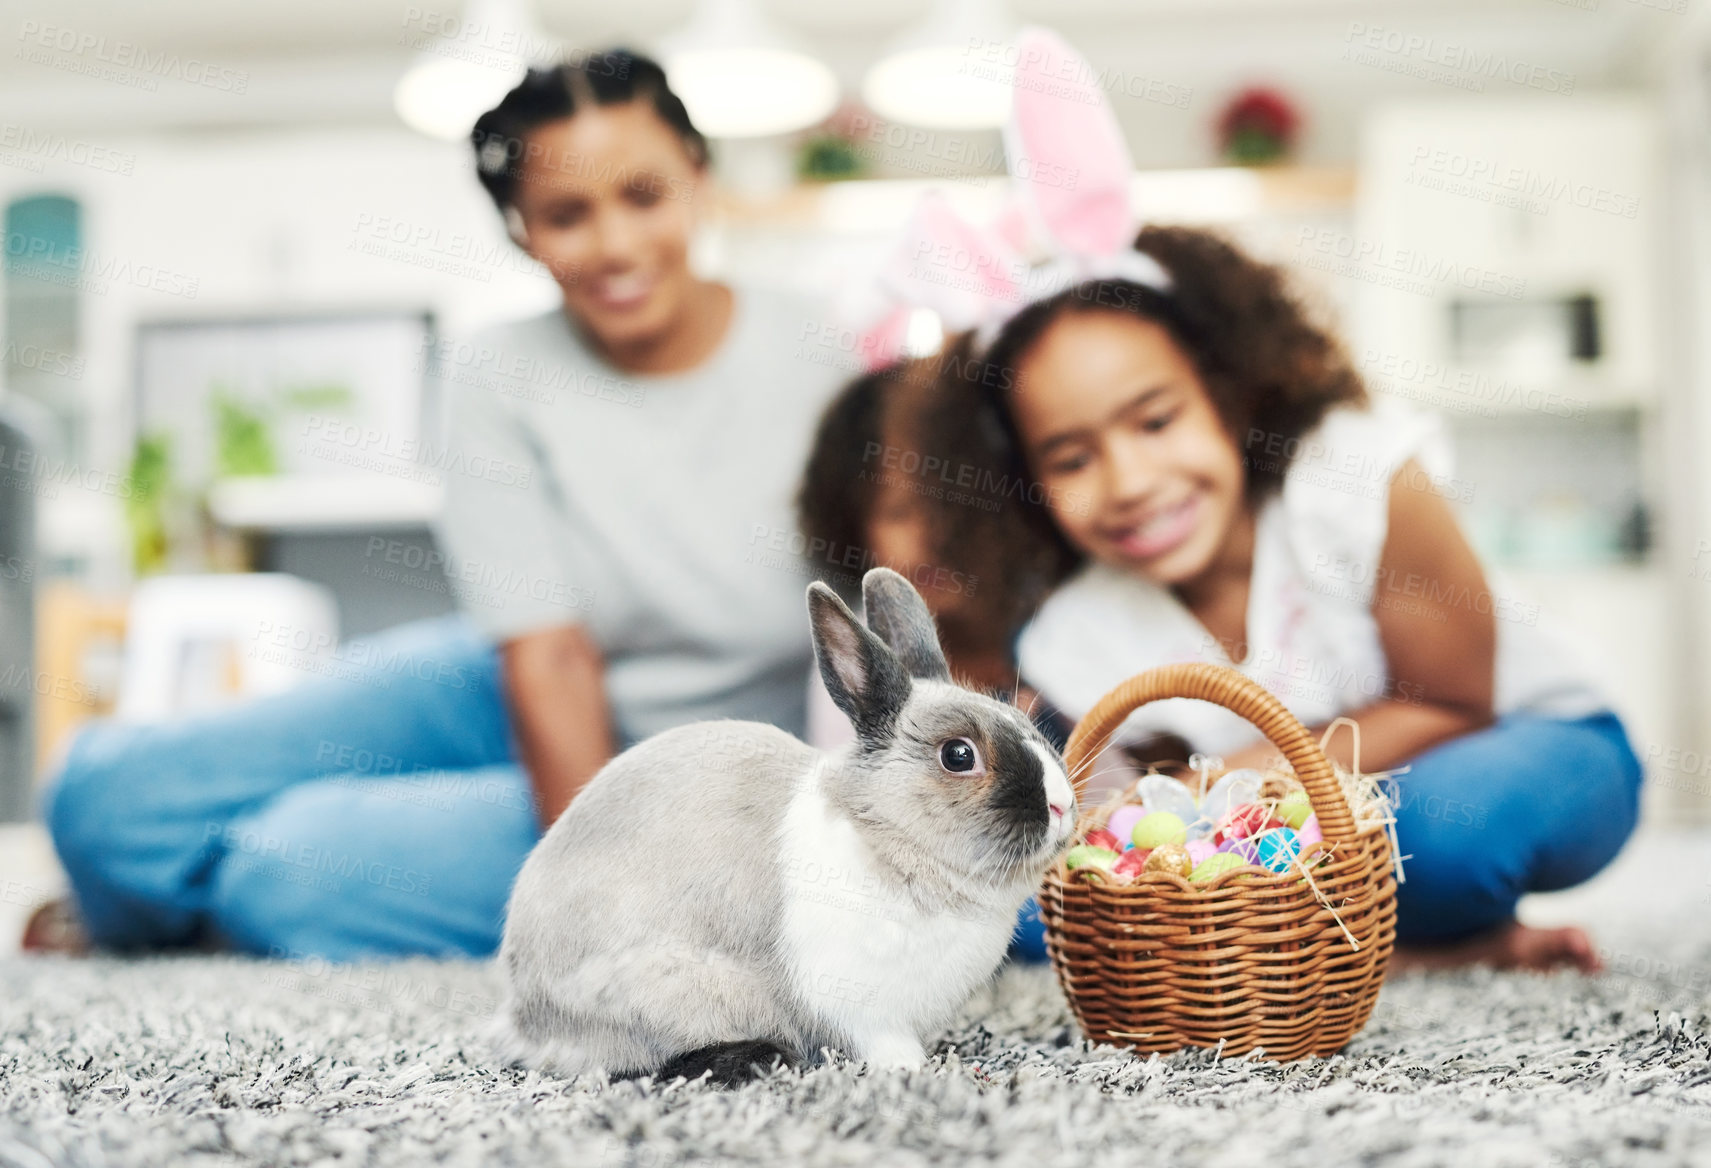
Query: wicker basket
pixel 1251 961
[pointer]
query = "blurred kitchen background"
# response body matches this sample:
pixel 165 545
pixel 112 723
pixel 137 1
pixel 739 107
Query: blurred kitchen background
pixel 235 231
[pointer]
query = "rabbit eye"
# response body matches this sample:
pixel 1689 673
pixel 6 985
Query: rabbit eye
pixel 958 756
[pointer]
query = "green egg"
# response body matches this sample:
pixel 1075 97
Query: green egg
pixel 1215 866
pixel 1089 856
pixel 1294 809
pixel 1158 829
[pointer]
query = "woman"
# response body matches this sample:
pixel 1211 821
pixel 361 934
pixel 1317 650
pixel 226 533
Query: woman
pixel 616 469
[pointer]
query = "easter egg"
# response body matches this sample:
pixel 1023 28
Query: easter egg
pixel 1199 849
pixel 1132 862
pixel 1123 820
pixel 1161 827
pixel 1235 788
pixel 1100 838
pixel 1248 819
pixel 1213 867
pixel 1088 856
pixel 1310 833
pixel 1294 809
pixel 1277 849
pixel 1242 849
pixel 1171 858
pixel 1163 793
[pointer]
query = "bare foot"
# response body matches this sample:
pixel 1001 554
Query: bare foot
pixel 55 928
pixel 1509 946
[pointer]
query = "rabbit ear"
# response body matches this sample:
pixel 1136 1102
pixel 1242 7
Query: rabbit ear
pixel 882 344
pixel 1066 150
pixel 864 677
pixel 945 263
pixel 897 613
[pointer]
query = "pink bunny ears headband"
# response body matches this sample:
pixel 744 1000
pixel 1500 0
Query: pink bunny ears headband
pixel 1069 199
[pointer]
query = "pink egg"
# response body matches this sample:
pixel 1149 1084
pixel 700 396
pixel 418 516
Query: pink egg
pixel 1310 833
pixel 1199 849
pixel 1123 820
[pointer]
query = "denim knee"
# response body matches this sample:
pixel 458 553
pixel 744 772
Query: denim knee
pixel 271 891
pixel 1461 872
pixel 312 873
pixel 84 805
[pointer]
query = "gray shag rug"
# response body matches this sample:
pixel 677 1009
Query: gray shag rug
pixel 212 1061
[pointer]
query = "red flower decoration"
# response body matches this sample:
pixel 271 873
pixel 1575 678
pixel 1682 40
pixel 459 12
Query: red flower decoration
pixel 1258 125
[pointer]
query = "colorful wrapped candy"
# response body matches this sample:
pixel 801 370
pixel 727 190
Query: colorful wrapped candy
pixel 1089 856
pixel 1132 862
pixel 1250 819
pixel 1231 827
pixel 1172 858
pixel 1099 837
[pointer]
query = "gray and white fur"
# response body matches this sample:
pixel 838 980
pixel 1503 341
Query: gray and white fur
pixel 722 894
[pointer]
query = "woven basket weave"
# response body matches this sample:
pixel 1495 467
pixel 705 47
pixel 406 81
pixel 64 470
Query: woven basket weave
pixel 1254 960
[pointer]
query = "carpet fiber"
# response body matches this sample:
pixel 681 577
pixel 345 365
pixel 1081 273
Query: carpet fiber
pixel 206 1060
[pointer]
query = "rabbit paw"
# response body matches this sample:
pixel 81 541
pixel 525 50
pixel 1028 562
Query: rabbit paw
pixel 891 1051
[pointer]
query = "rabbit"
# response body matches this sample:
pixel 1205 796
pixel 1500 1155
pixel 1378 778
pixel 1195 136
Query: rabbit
pixel 722 896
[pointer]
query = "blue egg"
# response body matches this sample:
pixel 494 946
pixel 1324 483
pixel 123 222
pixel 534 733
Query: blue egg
pixel 1278 849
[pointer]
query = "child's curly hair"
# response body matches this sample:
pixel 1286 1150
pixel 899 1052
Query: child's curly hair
pixel 1271 371
pixel 927 411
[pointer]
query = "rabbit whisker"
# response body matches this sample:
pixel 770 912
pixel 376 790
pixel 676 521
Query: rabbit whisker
pixel 1092 755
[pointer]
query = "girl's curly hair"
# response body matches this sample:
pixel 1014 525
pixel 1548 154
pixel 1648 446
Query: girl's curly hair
pixel 919 423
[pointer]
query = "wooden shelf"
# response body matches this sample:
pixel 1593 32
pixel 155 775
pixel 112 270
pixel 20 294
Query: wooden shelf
pixel 322 503
pixel 1221 194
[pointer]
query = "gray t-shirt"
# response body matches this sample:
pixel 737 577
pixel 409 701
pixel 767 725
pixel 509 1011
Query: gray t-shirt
pixel 656 511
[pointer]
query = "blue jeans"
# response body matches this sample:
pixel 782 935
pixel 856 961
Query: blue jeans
pixel 378 811
pixel 1531 804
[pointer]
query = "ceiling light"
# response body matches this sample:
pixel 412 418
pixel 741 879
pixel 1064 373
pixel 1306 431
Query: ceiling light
pixel 951 71
pixel 466 64
pixel 740 77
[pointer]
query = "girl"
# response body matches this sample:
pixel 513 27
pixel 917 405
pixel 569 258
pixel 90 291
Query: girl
pixel 1247 505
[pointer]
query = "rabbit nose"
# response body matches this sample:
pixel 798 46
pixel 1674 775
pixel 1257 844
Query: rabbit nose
pixel 1057 810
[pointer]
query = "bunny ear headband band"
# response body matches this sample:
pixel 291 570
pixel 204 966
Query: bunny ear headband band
pixel 1069 199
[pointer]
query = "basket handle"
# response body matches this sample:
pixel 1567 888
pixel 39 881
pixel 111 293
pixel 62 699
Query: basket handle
pixel 1237 693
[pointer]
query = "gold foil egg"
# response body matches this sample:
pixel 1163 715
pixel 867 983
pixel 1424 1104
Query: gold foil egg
pixel 1170 858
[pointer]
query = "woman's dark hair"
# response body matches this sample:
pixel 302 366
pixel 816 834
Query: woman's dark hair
pixel 500 136
pixel 1271 371
pixel 917 420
